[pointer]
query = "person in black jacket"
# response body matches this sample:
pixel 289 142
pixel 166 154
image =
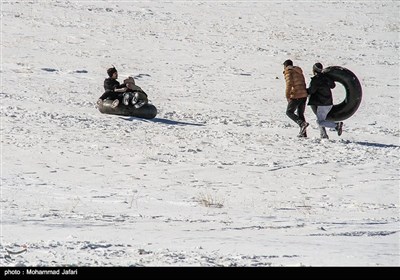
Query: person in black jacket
pixel 321 101
pixel 113 89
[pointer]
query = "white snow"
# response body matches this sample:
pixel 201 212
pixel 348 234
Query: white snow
pixel 219 177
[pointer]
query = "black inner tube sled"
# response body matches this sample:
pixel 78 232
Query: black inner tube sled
pixel 147 111
pixel 349 106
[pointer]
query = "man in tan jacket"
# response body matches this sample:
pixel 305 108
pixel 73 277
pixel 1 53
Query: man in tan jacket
pixel 296 95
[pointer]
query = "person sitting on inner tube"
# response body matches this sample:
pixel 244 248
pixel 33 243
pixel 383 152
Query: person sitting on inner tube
pixel 136 96
pixel 113 89
pixel 320 97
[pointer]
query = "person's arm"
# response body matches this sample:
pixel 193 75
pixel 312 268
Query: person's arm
pixel 289 83
pixel 113 86
pixel 123 89
pixel 331 83
pixel 313 88
pixel 121 86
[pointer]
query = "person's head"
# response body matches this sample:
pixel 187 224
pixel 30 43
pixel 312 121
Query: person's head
pixel 130 82
pixel 317 68
pixel 287 63
pixel 112 73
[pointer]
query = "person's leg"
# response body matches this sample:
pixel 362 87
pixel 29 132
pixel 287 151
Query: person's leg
pixel 126 98
pixel 99 102
pixel 322 132
pixel 291 107
pixel 322 112
pixel 139 99
pixel 301 108
pixel 339 128
pixel 300 112
pixel 115 103
pixel 142 97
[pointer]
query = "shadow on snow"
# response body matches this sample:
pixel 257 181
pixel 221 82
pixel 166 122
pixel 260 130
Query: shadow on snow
pixel 377 145
pixel 164 121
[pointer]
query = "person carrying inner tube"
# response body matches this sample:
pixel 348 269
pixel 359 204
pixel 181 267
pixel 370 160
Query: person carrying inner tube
pixel 113 89
pixel 321 101
pixel 135 95
pixel 296 95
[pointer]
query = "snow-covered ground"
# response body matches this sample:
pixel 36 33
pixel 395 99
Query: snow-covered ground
pixel 219 177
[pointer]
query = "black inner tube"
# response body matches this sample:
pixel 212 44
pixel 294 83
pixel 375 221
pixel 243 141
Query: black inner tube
pixel 349 106
pixel 147 111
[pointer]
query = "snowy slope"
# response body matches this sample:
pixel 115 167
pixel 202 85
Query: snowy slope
pixel 219 176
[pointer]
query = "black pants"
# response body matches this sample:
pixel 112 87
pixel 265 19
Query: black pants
pixel 300 106
pixel 112 95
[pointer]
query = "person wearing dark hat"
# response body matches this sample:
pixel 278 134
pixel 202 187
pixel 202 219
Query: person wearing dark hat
pixel 296 95
pixel 321 100
pixel 113 89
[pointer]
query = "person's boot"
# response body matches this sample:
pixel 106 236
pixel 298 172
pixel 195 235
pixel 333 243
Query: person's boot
pixel 125 99
pixel 99 102
pixel 339 128
pixel 323 133
pixel 303 127
pixel 302 135
pixel 135 98
pixel 115 103
pixel 140 103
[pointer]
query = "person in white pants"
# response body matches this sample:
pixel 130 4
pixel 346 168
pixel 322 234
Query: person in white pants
pixel 321 101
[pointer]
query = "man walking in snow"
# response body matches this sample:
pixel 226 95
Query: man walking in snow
pixel 321 100
pixel 296 95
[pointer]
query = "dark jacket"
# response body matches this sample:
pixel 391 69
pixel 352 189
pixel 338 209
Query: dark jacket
pixel 109 86
pixel 320 90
